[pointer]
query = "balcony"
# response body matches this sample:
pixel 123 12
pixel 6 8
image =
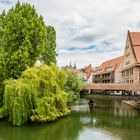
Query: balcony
pixel 111 77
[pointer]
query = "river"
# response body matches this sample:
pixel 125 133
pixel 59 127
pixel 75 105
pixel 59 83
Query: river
pixel 108 120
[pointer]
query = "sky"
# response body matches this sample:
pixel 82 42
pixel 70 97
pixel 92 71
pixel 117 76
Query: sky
pixel 88 31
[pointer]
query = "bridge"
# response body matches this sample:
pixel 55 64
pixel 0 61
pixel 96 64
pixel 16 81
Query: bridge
pixel 112 86
pixel 106 91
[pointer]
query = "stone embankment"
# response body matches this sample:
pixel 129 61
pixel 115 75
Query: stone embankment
pixel 134 104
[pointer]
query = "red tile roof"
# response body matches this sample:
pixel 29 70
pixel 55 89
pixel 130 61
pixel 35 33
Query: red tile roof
pixel 88 70
pixel 113 63
pixel 137 53
pixel 135 38
pixel 135 42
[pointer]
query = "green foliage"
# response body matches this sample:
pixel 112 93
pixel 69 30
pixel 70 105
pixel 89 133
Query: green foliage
pixel 36 96
pixel 24 39
pixel 49 55
pixel 19 99
pixel 73 85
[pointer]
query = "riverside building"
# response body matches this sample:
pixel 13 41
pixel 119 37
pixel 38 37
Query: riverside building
pixel 109 71
pixel 131 63
pixel 87 74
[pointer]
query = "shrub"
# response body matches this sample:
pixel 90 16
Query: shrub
pixel 73 86
pixel 36 96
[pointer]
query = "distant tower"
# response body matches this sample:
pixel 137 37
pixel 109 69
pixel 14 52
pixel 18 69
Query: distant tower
pixel 75 65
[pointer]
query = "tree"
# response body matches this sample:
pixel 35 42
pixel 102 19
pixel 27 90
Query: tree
pixel 73 85
pixel 38 96
pixel 49 55
pixel 24 39
pixel 24 35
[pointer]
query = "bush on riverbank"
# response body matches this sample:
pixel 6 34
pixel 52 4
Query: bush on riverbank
pixel 37 96
pixel 73 86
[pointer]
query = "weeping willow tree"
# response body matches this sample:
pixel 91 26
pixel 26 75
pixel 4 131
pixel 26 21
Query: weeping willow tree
pixel 37 96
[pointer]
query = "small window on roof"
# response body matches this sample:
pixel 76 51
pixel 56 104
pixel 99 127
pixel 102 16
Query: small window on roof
pixel 109 68
pixel 98 71
pixel 127 46
pixel 128 62
pixel 127 54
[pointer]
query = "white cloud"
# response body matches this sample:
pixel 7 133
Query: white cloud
pixel 82 23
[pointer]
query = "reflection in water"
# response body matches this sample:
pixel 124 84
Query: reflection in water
pixel 106 121
pixel 62 129
pixel 96 134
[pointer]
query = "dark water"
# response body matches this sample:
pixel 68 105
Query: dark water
pixel 107 121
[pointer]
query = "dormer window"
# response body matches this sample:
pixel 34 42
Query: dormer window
pixel 127 46
pixel 109 68
pixel 127 63
pixel 99 71
pixel 127 54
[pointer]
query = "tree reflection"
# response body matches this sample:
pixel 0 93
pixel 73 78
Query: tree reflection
pixel 64 129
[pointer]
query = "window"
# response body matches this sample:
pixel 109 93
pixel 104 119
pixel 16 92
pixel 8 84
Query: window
pixel 131 71
pixel 128 62
pixel 131 81
pixel 99 71
pixel 123 74
pixel 127 46
pixel 127 54
pixel 109 68
pixel 127 72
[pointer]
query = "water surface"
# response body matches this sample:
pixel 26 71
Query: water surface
pixel 106 121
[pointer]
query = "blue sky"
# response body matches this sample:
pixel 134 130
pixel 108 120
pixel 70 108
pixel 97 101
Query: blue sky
pixel 88 31
pixel 6 1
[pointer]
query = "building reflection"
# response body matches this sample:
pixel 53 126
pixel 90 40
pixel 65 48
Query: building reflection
pixel 122 109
